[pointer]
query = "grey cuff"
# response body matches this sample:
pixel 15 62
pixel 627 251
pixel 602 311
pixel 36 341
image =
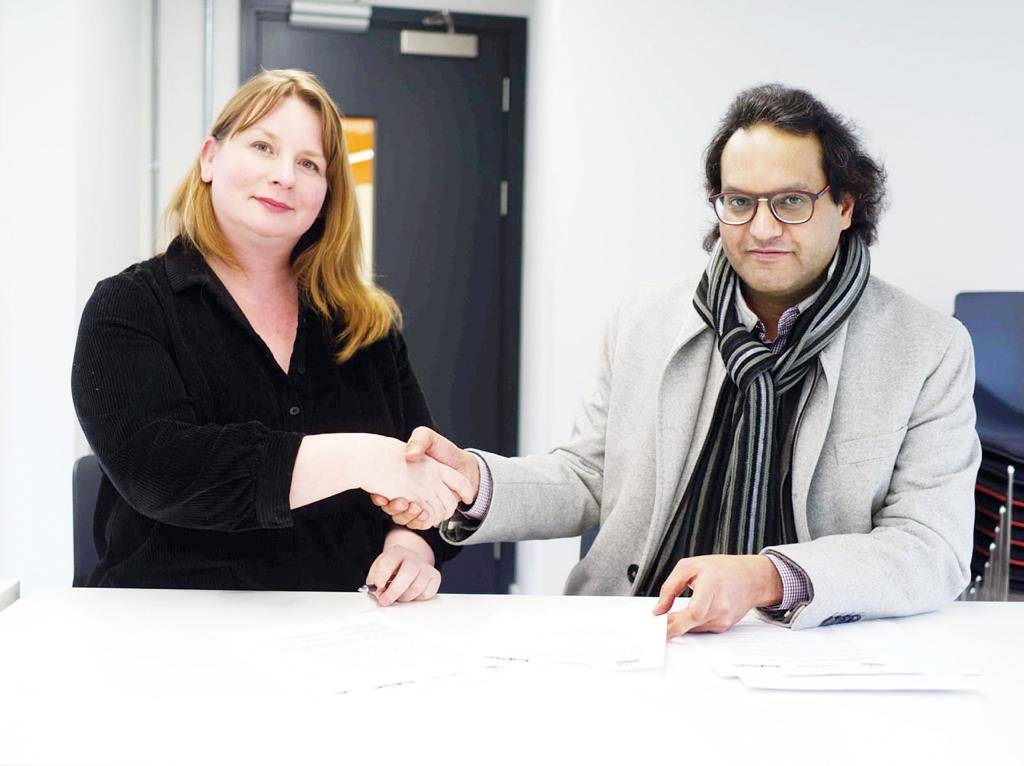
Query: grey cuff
pixel 467 519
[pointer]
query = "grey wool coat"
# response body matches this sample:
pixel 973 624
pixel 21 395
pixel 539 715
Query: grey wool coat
pixel 884 462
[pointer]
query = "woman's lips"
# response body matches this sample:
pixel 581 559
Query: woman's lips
pixel 272 205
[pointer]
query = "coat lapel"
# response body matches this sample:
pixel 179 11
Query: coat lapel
pixel 679 396
pixel 813 427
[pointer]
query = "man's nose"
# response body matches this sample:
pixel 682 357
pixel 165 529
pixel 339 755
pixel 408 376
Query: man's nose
pixel 764 225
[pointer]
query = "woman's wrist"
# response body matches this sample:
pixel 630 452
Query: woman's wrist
pixel 406 538
pixel 327 464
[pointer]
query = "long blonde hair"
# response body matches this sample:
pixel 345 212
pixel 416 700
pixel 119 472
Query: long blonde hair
pixel 329 262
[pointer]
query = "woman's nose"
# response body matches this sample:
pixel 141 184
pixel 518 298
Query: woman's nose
pixel 283 172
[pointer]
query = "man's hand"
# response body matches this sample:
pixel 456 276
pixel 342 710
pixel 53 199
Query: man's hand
pixel 383 469
pixel 425 442
pixel 724 589
pixel 404 571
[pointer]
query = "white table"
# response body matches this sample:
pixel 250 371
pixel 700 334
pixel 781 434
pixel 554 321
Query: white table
pixel 131 676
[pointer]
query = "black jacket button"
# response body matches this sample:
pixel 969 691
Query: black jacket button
pixel 294 410
pixel 631 571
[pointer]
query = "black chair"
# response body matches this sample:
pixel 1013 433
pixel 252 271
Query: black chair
pixel 995 322
pixel 86 476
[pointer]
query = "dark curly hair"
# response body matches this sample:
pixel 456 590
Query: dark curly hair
pixel 847 166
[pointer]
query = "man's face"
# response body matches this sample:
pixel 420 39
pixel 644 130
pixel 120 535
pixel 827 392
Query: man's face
pixel 780 264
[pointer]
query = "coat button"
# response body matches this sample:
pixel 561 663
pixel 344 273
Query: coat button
pixel 631 571
pixel 293 410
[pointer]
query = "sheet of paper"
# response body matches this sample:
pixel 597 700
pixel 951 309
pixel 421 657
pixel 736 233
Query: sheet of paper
pixel 870 647
pixel 864 655
pixel 624 637
pixel 875 682
pixel 366 651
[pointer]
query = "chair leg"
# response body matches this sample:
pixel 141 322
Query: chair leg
pixel 1007 523
pixel 987 574
pixel 1001 575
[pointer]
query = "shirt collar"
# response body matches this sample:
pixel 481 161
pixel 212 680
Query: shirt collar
pixel 185 266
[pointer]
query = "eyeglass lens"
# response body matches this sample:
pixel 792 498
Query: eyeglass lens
pixel 789 207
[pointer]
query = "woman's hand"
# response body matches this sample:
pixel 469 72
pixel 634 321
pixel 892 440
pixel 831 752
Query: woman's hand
pixel 404 571
pixel 424 443
pixel 327 464
pixel 433 487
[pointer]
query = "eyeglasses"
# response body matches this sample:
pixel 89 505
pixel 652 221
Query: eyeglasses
pixel 737 208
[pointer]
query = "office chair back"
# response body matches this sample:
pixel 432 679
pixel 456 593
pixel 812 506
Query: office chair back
pixel 996 324
pixel 86 476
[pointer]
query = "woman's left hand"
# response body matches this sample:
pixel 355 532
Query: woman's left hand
pixel 404 571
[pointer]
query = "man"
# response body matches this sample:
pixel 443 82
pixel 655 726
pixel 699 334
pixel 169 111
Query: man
pixel 783 432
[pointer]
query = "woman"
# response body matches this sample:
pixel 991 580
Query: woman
pixel 246 389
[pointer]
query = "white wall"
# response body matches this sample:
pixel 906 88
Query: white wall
pixel 71 154
pixel 621 99
pixel 624 96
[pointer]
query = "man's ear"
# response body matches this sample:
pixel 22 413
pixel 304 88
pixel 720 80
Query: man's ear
pixel 846 211
pixel 207 153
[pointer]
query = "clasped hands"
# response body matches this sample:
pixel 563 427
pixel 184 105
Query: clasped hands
pixel 438 476
pixel 418 484
pixel 724 587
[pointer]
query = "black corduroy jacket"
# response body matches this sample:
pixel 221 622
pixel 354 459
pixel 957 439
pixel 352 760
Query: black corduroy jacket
pixel 197 428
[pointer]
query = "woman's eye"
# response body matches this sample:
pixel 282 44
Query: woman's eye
pixel 261 146
pixel 310 165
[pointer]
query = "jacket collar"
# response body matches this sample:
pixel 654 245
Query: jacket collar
pixel 682 388
pixel 690 327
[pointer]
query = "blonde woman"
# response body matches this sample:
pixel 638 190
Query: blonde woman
pixel 247 388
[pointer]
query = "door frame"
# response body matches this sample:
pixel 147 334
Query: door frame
pixel 254 12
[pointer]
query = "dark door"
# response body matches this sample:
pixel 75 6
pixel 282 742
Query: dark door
pixel 447 186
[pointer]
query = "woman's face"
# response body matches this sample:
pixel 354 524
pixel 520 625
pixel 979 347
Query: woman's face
pixel 268 182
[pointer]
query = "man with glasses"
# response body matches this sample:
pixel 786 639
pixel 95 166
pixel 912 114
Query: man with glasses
pixel 783 432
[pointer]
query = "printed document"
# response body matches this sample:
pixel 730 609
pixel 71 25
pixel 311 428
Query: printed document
pixel 624 637
pixel 358 653
pixel 872 654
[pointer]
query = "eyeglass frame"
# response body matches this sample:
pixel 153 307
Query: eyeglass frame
pixel 758 198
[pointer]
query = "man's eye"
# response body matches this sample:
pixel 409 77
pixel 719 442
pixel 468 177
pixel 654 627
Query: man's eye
pixel 792 201
pixel 738 203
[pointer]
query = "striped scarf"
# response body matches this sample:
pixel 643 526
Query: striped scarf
pixel 738 499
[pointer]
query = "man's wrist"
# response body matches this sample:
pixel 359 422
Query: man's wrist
pixel 481 504
pixel 471 465
pixel 796 585
pixel 771 581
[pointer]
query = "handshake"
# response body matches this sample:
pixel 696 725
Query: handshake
pixel 421 483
